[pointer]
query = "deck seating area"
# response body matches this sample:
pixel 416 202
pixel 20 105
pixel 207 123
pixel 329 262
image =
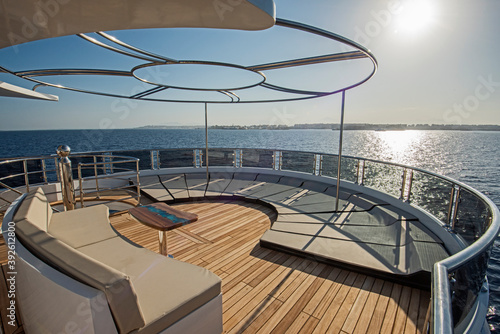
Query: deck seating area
pixel 75 263
pixel 368 235
pixel 267 291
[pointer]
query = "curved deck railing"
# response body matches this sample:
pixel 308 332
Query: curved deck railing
pixel 17 175
pixel 457 280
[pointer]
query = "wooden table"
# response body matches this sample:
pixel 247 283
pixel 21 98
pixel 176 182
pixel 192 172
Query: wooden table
pixel 163 218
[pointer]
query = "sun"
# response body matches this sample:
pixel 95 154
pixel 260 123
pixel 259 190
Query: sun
pixel 415 16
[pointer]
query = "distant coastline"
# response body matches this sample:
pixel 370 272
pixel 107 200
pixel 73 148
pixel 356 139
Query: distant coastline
pixel 335 126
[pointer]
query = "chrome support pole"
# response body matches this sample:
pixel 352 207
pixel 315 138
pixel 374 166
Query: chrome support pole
pixel 138 183
pixel 96 179
pixel 58 169
pixel 450 206
pixel 44 171
pixel 67 186
pixel 162 242
pixel 455 209
pixel 403 185
pixel 80 183
pixel 206 138
pixel 339 165
pixel 357 171
pixel 410 183
pixel 363 164
pixel 317 164
pixel 26 178
pixel 111 170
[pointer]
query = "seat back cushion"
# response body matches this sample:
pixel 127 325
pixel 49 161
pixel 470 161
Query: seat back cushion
pixel 120 293
pixel 82 227
pixel 36 208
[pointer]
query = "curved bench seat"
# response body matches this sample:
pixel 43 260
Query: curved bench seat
pixel 144 292
pixel 367 234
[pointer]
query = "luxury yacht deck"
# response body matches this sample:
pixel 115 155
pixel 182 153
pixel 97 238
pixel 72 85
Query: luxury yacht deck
pixel 268 291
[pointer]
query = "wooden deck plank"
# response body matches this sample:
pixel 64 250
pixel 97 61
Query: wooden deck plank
pixel 424 311
pixel 322 291
pixel 380 309
pixel 251 307
pixel 300 321
pixel 310 325
pixel 402 311
pixel 336 303
pixel 268 291
pixel 362 282
pixel 359 307
pixel 261 317
pixel 338 282
pixel 392 308
pixel 254 320
pixel 294 305
pixel 368 311
pixel 413 308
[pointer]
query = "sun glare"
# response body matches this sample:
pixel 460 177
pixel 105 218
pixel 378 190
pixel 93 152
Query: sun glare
pixel 399 146
pixel 415 16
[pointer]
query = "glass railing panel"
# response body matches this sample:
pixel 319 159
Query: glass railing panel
pixel 432 194
pixel 35 171
pixel 466 283
pixel 257 158
pixel 176 158
pixel 473 217
pixel 9 169
pixel 51 170
pixel 220 157
pixel 347 171
pixel 86 171
pixel 144 157
pixel 298 161
pixel 383 177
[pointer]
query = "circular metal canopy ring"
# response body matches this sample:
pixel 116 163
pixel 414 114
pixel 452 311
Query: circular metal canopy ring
pixel 163 77
pixel 151 60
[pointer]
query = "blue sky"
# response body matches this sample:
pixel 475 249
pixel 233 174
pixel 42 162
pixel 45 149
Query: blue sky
pixel 438 63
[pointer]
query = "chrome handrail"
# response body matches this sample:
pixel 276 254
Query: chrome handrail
pixel 441 285
pixel 77 168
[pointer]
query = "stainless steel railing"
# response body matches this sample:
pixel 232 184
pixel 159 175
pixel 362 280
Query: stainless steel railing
pixel 120 167
pixel 18 175
pixel 462 210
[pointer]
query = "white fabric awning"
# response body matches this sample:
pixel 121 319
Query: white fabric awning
pixel 9 90
pixel 23 21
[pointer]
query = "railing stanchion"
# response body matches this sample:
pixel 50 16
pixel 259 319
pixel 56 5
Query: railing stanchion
pixel 80 182
pixel 206 140
pixel 357 171
pixel 403 184
pixel 410 183
pixel 95 175
pixel 44 171
pixel 26 178
pixel 455 208
pixel 363 165
pixel 58 169
pixel 450 206
pixel 138 183
pixel 67 185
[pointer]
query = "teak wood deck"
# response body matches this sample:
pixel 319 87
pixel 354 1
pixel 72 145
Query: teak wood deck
pixel 266 291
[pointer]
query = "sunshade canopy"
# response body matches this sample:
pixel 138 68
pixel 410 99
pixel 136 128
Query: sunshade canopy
pixel 30 20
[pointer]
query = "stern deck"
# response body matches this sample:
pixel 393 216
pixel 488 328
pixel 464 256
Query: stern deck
pixel 267 291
